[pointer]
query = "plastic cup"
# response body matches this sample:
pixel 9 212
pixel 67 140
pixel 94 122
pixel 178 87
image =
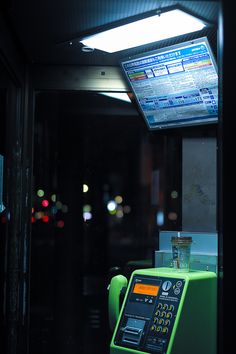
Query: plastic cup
pixel 181 248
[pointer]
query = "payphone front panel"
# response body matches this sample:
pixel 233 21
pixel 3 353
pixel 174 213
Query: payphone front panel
pixel 156 312
pixel 150 311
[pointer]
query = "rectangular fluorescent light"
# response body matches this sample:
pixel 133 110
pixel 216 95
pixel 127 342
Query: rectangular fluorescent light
pixel 152 29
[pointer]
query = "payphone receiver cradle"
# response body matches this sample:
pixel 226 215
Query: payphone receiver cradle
pixel 167 312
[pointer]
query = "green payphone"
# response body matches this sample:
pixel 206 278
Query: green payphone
pixel 167 312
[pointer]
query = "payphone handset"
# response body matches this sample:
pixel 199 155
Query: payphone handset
pixel 167 312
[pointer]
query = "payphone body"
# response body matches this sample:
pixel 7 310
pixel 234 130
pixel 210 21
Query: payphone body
pixel 167 312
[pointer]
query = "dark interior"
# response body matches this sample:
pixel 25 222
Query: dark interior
pixel 77 136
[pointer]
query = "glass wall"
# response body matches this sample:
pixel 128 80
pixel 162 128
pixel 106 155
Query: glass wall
pixel 104 187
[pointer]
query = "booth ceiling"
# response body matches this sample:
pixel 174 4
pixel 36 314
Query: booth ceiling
pixel 45 29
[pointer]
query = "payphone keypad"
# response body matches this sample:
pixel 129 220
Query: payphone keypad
pixel 149 313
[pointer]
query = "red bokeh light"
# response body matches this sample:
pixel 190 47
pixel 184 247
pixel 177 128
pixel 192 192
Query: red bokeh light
pixel 60 224
pixel 45 218
pixel 45 203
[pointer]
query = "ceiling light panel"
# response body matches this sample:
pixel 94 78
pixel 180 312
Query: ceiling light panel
pixel 152 29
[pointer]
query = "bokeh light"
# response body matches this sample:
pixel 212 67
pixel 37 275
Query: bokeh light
pixel 127 209
pixel 59 205
pixel 119 214
pixel 160 218
pixel 174 194
pixel 172 216
pixel 60 224
pixel 87 208
pixel 85 188
pixel 118 199
pixel 111 205
pixel 40 193
pixel 53 198
pixel 87 215
pixel 39 215
pixel 45 218
pixel 45 203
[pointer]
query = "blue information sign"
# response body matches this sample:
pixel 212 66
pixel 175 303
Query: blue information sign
pixel 175 86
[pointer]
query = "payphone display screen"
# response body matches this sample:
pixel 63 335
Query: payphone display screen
pixel 149 313
pixel 146 289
